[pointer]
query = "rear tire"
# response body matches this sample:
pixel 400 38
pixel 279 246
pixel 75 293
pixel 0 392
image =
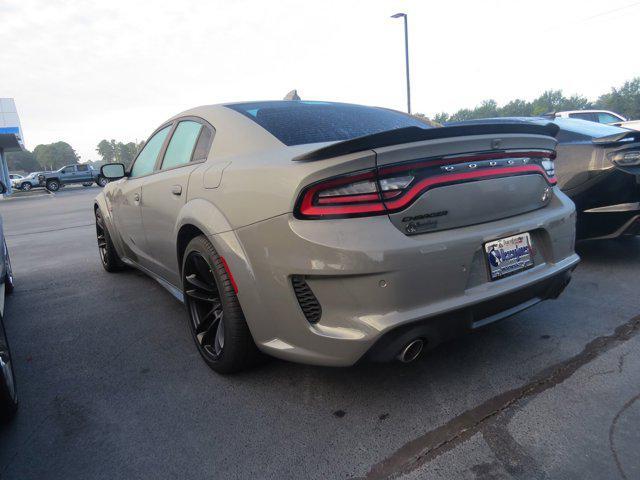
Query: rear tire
pixel 8 393
pixel 87 184
pixel 109 257
pixel 25 186
pixel 216 321
pixel 102 181
pixel 53 185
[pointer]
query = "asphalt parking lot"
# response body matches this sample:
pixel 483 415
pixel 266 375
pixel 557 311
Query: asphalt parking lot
pixel 112 387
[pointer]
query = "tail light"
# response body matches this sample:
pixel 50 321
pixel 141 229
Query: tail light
pixel 393 188
pixel 626 158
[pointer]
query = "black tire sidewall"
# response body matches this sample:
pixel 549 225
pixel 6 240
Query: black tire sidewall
pixel 239 350
pixel 112 262
pixel 26 186
pixel 53 182
pixel 8 405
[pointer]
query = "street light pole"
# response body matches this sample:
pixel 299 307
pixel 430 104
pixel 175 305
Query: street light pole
pixel 406 56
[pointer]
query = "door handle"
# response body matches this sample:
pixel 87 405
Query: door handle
pixel 176 189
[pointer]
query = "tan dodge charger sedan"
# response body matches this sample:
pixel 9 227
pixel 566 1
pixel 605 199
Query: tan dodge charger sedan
pixel 330 233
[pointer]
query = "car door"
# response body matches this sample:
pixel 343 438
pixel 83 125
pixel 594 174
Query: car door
pixel 164 193
pixel 68 174
pixel 127 198
pixel 83 173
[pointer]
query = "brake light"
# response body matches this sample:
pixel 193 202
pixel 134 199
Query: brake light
pixel 394 188
pixel 628 158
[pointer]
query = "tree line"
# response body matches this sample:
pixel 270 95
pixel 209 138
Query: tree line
pixel 52 156
pixel 624 100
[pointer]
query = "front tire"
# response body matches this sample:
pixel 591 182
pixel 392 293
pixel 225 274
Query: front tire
pixel 8 272
pixel 109 257
pixel 87 184
pixel 25 186
pixel 102 181
pixel 53 185
pixel 216 321
pixel 8 393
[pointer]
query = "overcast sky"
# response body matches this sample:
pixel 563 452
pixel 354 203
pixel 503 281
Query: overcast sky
pixel 85 70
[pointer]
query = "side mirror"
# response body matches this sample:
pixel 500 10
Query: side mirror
pixel 3 188
pixel 113 171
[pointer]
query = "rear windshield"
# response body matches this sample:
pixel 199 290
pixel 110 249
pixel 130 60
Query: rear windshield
pixel 586 128
pixel 300 122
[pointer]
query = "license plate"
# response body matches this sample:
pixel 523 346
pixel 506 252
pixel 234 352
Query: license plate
pixel 510 255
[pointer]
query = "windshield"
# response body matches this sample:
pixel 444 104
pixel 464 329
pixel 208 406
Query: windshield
pixel 301 122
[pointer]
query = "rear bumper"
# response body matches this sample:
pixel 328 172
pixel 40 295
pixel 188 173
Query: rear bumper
pixel 370 279
pixel 441 328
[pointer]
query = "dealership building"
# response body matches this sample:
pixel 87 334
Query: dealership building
pixel 10 137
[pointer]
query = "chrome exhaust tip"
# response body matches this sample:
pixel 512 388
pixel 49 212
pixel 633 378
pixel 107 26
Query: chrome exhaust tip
pixel 411 351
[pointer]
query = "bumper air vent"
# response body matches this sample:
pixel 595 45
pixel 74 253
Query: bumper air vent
pixel 307 300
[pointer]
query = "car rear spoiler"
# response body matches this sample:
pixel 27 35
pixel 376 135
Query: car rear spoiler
pixel 622 137
pixel 417 134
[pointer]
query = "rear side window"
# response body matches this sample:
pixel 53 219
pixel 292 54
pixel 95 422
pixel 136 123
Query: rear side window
pixel 203 145
pixel 300 122
pixel 182 144
pixel 146 160
pixel 83 168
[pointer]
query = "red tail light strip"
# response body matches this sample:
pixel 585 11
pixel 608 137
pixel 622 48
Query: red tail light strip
pixel 425 174
pixel 428 183
pixel 467 158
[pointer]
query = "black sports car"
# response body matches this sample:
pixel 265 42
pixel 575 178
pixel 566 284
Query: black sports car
pixel 598 167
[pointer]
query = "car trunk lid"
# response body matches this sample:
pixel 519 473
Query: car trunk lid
pixel 460 180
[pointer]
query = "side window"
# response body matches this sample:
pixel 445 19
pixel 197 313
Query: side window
pixel 584 116
pixel 83 168
pixel 181 145
pixel 147 158
pixel 69 169
pixel 607 118
pixel 201 151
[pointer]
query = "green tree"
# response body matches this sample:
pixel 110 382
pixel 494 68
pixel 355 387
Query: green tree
pixel 106 150
pixel 24 161
pixel 113 151
pixel 55 155
pixel 516 108
pixel 624 100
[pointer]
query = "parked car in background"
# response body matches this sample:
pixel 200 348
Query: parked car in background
pixel 598 167
pixel 70 174
pixel 630 124
pixel 8 393
pixel 598 116
pixel 15 176
pixel 28 182
pixel 327 233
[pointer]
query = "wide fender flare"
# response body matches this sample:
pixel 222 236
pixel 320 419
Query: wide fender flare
pixel 102 203
pixel 207 218
pixel 204 215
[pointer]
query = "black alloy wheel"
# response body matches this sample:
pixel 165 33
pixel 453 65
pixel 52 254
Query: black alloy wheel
pixel 205 306
pixel 108 255
pixel 216 321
